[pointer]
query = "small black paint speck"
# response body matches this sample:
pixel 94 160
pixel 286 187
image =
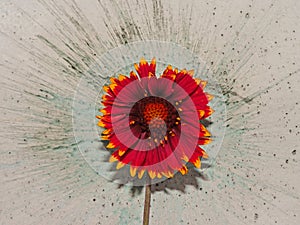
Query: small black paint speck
pixel 294 152
pixel 94 199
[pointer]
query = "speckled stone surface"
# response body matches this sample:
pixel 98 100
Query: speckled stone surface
pixel 251 48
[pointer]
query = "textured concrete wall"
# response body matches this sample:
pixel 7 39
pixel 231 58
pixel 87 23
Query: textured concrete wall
pixel 251 50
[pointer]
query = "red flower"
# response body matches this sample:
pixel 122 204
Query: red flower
pixel 154 123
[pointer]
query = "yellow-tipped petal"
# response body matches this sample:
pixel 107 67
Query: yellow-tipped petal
pixel 110 145
pixel 211 111
pixel 170 174
pixel 191 72
pixel 122 77
pixel 197 163
pixel 132 171
pixel 184 71
pixel 206 141
pixel 205 131
pixel 197 81
pixel 136 66
pixel 112 80
pixel 151 174
pixel 106 88
pixel 201 113
pixel 150 75
pixel 107 131
pixel 203 84
pixel 183 170
pixel 133 74
pixel 143 61
pixel 159 175
pixel 173 76
pixel 113 86
pixel 185 158
pixel 104 98
pixel 120 165
pixel 165 174
pixel 205 155
pixel 112 159
pixel 121 152
pixel 101 124
pixel 141 173
pixel 209 97
pixel 105 138
pixel 153 61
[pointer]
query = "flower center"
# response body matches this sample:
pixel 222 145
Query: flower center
pixel 155 111
pixel 154 117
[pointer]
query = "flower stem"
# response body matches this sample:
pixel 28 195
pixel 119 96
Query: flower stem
pixel 147 205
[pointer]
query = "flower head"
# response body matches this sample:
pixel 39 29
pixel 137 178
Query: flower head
pixel 154 123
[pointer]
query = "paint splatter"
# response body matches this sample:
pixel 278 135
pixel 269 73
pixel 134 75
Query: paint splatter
pixel 250 47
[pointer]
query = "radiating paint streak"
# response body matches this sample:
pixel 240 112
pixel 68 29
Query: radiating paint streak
pixel 40 86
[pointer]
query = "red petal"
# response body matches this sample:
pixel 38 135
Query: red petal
pixel 144 69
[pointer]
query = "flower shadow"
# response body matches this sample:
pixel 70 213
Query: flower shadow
pixel 178 182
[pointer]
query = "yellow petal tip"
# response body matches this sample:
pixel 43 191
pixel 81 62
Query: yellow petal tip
pixel 121 152
pixel 141 174
pixel 132 171
pixel 120 165
pixel 110 145
pixel 197 163
pixel 152 174
pixel 112 159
